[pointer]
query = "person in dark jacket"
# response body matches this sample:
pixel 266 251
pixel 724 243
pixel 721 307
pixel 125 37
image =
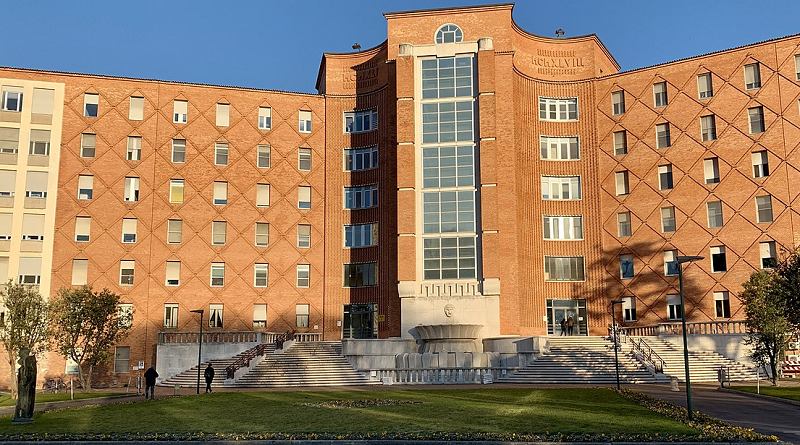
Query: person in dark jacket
pixel 209 375
pixel 150 382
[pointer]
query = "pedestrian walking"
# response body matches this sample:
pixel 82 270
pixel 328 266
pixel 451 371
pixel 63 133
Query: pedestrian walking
pixel 563 326
pixel 150 382
pixel 570 325
pixel 209 375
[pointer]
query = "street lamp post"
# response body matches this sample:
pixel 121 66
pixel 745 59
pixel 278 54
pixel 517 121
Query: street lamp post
pixel 680 260
pixel 199 346
pixel 614 328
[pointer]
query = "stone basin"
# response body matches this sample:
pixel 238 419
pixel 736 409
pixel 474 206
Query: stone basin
pixel 449 337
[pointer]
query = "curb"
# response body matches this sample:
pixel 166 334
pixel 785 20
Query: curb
pixel 383 442
pixel 761 396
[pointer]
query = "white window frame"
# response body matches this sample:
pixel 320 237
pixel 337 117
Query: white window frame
pixel 755 119
pixel 618 102
pixel 624 224
pixel 136 108
pixel 175 185
pixel 134 151
pixel 131 189
pixel 559 148
pixel 360 235
pixel 262 195
pixel 223 115
pixel 752 76
pixel 88 100
pixel 304 159
pixel 264 156
pixel 122 363
pixel 562 228
pixel 303 240
pixel 361 121
pixel 221 153
pixel 360 159
pixel 85 187
pixel 708 128
pixel 574 266
pixel 764 209
pixel 261 275
pixel 220 193
pixel 264 118
pixel 626 267
pixel 554 188
pixel 174 229
pixel 127 272
pixel 260 315
pixel 667 216
pixel 718 252
pixel 714 221
pixel 178 151
pixel 180 110
pixel 722 304
pixel 768 254
pixel 671 263
pixel 303 275
pixel 302 311
pixel 171 315
pixel 674 309
pixel 628 309
pixel 711 170
pixel 304 121
pixel 663 138
pixel 620 143
pixel 217 275
pixel 558 109
pixel 360 197
pixel 705 86
pixel 172 277
pixel 219 230
pixel 12 95
pixel 88 147
pixel 263 227
pixel 215 315
pixel 622 183
pixel 660 98
pixel 760 161
pixel 129 226
pixel 665 179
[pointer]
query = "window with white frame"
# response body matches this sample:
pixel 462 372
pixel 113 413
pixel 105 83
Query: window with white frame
pixel 217 274
pixel 263 156
pixel 445 77
pixel 662 136
pixel 660 94
pixel 626 271
pixel 668 219
pixel 768 254
pixel 449 258
pixel 563 227
pixel 722 305
pixel 665 181
pixel 36 184
pixel 125 314
pixel 301 313
pixel 126 272
pixel 448 212
pixel 30 271
pixel 303 236
pixel 714 209
pixel 621 183
pixel 705 86
pixel 445 122
pixel 304 159
pixel 215 315
pixel 264 118
pixel 620 143
pixel 711 170
pixel 564 268
pixel 180 111
pixel 221 153
pixel 171 315
pixel 303 275
pixel 361 197
pixel 752 76
pixel 8 181
pixel 218 233
pixel 674 310
pixel 90 104
pixel 174 231
pixel 223 115
pixel 760 164
pixel 797 66
pixel 670 263
pixel 43 99
pixel 361 235
pixel 122 359
pixel 80 269
pixel 719 261
pixel 618 102
pixel 179 151
pixel 220 193
pixel 629 309
pixel 134 152
pixel 259 315
pixel 129 230
pixel 358 159
pixel 11 98
pixel 136 108
pixel 85 187
pixel 6 220
pixel 9 140
pixel 131 189
pixel 360 275
pixel 40 143
pixel 176 191
pixel 360 121
pixel 764 208
pixel 88 142
pixel 552 109
pixel 173 276
pixel 755 117
pixel 624 224
pixel 449 34
pixel 262 195
pixel 262 234
pixel 561 188
pixel 559 148
pixel 303 197
pixel 448 166
pixel 32 227
pixel 304 125
pixel 261 275
pixel 708 128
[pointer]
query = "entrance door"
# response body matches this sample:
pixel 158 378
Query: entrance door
pixel 558 310
pixel 360 321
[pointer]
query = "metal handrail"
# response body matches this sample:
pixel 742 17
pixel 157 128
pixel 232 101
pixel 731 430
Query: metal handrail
pixel 244 359
pixel 648 354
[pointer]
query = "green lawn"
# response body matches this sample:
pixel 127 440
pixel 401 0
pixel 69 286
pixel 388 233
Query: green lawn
pixel 405 412
pixel 786 392
pixel 6 400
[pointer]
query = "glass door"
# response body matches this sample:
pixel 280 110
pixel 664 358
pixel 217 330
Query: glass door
pixel 359 321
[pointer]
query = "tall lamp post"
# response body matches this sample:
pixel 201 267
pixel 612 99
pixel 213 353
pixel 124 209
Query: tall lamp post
pixel 199 346
pixel 614 328
pixel 680 260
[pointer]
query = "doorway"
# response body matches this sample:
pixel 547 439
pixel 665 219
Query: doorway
pixel 561 310
pixel 359 321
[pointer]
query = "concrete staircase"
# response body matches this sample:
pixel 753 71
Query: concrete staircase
pixel 703 365
pixel 588 360
pixel 188 378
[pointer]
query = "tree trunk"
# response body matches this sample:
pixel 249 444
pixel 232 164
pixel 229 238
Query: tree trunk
pixel 89 378
pixel 82 376
pixel 12 365
pixel 773 366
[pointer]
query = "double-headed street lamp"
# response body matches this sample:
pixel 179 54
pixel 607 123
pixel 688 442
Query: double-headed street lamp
pixel 680 260
pixel 614 328
pixel 199 346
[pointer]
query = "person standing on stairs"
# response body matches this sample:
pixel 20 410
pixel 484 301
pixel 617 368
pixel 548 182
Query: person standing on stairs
pixel 209 375
pixel 563 326
pixel 570 325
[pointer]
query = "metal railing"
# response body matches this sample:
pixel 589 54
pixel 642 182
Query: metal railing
pixel 165 338
pixel 642 350
pixel 441 375
pixel 692 328
pixel 244 359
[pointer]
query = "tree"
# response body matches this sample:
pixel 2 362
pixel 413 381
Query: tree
pixel 86 325
pixel 23 325
pixel 789 270
pixel 768 327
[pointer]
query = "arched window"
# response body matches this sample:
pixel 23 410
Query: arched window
pixel 449 34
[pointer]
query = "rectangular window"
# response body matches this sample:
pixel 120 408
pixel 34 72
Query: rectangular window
pixel 129 230
pixel 448 166
pixel 797 66
pixel 618 102
pixel 561 188
pixel 662 136
pixel 563 227
pixel 303 275
pixel 264 118
pixel 674 311
pixel 30 271
pixel 551 109
pixel 624 224
pixel 665 177
pixel 303 236
pixel 361 235
pixel 173 277
pixel 357 159
pixel 176 191
pixel 218 233
pixel 361 197
pixel 180 111
pixel 40 143
pixel 8 181
pixel 126 272
pixel 88 145
pixel 32 227
pixel 262 234
pixel 261 275
pixel 705 86
pixel 12 99
pixel 6 220
pixel 301 311
pixel 80 269
pixel 760 164
pixel 304 159
pixel 563 268
pixel 621 181
pixel 444 77
pixel 667 219
pixel 764 208
pixel 304 125
pixel 263 156
pixel 134 148
pixel 131 189
pixel 9 140
pixel 304 196
pixel 718 260
pixel 708 128
pixel 221 153
pixel 660 94
pixel 36 184
pixel 174 231
pixel 711 170
pixel 223 115
pixel 559 148
pixel 756 118
pixel 136 108
pixel 715 220
pixel 217 274
pixel 447 122
pixel 452 211
pixel 170 315
pixel 90 104
pixel 122 359
pixel 768 254
pixel 220 193
pixel 215 315
pixel 179 151
pixel 85 186
pixel 83 227
pixel 722 305
pixel 360 275
pixel 125 314
pixel 360 121
pixel 629 308
pixel 449 258
pixel 620 143
pixel 670 262
pixel 752 76
pixel 42 101
pixel 262 195
pixel 259 315
pixel 626 266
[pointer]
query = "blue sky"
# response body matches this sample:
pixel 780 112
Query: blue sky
pixel 278 44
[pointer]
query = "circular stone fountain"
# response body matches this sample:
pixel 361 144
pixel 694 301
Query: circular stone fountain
pixel 449 337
